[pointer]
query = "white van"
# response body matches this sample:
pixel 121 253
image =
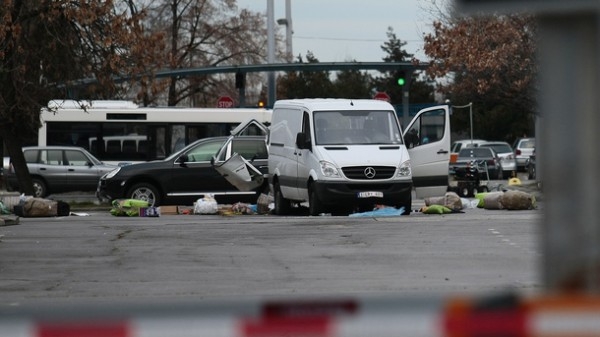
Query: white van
pixel 347 155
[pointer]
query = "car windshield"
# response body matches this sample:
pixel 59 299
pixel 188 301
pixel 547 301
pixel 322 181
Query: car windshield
pixel 356 127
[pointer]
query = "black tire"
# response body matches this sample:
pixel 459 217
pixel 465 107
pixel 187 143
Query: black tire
pixel 282 205
pixel 531 173
pixel 40 190
pixel 314 203
pixel 463 190
pixel 407 204
pixel 146 192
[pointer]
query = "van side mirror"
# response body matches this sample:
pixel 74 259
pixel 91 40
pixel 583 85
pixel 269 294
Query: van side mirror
pixel 301 141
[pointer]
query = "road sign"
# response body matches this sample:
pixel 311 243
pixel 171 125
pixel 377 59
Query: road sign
pixel 225 102
pixel 382 96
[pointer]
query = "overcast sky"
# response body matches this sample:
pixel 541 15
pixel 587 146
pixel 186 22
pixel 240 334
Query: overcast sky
pixel 345 30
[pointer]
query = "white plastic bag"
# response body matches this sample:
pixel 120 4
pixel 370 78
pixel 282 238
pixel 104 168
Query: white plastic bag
pixel 206 205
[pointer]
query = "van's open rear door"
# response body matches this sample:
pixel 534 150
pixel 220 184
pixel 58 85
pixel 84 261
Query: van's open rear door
pixel 430 152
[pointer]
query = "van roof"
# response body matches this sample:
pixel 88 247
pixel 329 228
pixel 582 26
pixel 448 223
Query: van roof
pixel 335 104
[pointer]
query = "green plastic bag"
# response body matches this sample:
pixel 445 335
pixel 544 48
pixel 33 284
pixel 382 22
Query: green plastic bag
pixel 127 207
pixel 480 197
pixel 437 209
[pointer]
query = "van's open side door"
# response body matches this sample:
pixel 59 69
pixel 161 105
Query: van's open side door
pixel 429 150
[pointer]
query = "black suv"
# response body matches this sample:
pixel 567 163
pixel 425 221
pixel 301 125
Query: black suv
pixel 187 175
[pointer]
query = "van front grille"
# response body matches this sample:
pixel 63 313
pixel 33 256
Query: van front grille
pixel 369 172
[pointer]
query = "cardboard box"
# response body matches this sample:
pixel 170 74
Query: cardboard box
pixel 185 210
pixel 168 210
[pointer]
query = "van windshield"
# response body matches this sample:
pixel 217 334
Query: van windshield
pixel 356 127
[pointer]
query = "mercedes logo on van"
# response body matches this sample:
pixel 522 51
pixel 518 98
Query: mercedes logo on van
pixel 370 172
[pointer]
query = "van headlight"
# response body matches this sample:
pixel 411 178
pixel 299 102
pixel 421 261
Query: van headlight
pixel 112 173
pixel 329 170
pixel 404 169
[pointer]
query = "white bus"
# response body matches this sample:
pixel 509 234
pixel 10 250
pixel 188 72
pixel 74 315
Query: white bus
pixel 121 131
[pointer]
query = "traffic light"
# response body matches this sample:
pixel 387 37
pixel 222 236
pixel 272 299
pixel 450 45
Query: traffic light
pixel 401 78
pixel 240 80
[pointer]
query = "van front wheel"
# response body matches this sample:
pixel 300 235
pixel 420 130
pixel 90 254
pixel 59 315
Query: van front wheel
pixel 407 205
pixel 282 205
pixel 314 204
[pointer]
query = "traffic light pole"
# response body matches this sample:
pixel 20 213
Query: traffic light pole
pixel 406 99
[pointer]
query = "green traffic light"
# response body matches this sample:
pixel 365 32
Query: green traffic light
pixel 401 81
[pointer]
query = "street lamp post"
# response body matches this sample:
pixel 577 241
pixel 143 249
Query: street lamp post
pixel 288 30
pixel 470 106
pixel 270 51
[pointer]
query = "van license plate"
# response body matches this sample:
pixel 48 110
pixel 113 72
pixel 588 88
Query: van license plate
pixel 370 194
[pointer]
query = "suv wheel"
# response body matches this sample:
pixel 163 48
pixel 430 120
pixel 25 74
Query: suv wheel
pixel 146 192
pixel 39 188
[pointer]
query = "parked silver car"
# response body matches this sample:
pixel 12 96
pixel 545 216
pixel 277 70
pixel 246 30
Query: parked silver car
pixel 59 169
pixel 507 157
pixel 523 148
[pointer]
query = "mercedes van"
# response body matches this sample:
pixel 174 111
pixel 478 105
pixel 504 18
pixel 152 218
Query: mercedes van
pixel 344 155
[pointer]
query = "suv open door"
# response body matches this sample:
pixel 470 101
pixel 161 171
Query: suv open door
pixel 238 170
pixel 427 139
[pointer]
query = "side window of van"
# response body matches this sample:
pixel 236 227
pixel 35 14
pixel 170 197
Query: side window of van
pixel 306 128
pixel 428 128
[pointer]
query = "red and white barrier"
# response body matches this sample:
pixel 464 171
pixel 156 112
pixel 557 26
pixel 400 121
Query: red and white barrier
pixel 552 316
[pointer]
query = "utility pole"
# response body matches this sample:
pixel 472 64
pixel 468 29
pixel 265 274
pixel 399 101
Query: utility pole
pixel 270 51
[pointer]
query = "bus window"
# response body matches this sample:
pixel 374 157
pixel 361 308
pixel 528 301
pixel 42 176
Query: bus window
pixel 177 137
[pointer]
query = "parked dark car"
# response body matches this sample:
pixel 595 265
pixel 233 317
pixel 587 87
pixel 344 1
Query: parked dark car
pixel 481 157
pixel 56 169
pixel 187 175
pixel 508 161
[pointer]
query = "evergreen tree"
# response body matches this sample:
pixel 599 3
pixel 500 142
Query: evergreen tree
pixel 420 91
pixel 353 84
pixel 305 84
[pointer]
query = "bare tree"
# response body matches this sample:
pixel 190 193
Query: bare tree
pixel 204 33
pixel 48 44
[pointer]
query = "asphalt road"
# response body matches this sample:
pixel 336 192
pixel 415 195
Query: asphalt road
pixel 102 258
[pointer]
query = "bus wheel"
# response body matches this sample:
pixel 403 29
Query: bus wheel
pixel 146 192
pixel 39 188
